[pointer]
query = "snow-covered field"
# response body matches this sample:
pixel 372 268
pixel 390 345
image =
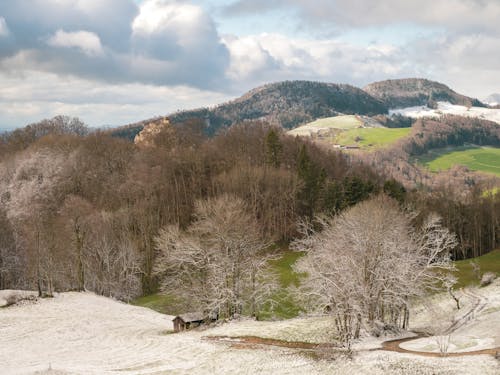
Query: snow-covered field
pixel 475 331
pixel 325 126
pixel 81 333
pixel 447 108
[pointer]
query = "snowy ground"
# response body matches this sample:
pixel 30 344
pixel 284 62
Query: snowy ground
pixel 80 333
pixel 474 331
pixel 447 108
pixel 9 297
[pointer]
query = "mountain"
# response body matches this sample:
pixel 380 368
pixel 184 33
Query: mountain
pixel 493 99
pixel 287 104
pixel 409 92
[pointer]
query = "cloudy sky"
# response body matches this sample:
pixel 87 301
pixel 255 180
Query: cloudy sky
pixel 112 62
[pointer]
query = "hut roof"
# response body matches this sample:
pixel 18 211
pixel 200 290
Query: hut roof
pixel 191 317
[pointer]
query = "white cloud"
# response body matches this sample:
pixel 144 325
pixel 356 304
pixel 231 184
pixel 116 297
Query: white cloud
pixel 156 42
pixel 186 20
pixel 4 30
pixel 88 42
pixel 453 14
pixel 33 95
pixel 272 57
pixel 247 57
pixel 174 25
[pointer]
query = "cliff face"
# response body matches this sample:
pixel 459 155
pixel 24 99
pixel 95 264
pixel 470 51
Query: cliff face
pixel 154 132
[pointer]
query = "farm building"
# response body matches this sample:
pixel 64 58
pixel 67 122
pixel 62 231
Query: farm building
pixel 187 321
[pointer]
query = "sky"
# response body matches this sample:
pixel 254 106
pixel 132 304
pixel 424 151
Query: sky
pixel 114 62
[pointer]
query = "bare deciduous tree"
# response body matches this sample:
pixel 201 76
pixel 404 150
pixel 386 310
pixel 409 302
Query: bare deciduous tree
pixel 215 263
pixel 112 259
pixel 366 263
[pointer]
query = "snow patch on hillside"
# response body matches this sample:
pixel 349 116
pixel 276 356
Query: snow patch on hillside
pixel 445 108
pixel 81 333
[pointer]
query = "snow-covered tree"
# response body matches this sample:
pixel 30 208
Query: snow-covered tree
pixel 215 263
pixel 365 264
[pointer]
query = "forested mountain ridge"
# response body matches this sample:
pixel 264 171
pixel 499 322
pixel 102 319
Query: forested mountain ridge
pixel 400 93
pixel 288 104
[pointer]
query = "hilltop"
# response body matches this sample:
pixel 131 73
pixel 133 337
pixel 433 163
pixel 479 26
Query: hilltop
pixel 409 92
pixel 288 104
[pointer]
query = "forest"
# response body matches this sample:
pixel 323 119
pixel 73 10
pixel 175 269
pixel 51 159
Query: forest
pixel 83 210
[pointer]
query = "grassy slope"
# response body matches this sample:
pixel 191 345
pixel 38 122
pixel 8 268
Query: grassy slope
pixel 487 263
pixel 371 137
pixel 484 159
pixel 284 306
pixel 165 304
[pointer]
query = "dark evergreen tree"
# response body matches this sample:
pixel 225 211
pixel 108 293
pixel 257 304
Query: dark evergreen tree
pixel 274 148
pixel 313 179
pixel 395 190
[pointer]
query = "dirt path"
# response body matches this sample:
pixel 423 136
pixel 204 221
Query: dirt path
pixel 254 342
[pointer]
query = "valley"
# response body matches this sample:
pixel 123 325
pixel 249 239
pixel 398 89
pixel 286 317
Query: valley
pixel 242 217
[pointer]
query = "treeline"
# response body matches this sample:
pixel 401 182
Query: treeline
pixel 474 219
pixel 82 211
pixel 450 130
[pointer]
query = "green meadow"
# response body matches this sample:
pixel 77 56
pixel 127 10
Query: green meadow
pixel 466 275
pixel 371 137
pixel 483 159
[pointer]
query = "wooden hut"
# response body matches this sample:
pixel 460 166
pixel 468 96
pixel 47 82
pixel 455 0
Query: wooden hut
pixel 187 321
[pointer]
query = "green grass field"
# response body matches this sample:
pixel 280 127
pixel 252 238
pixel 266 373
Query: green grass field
pixel 284 306
pixel 367 138
pixel 487 263
pixel 483 159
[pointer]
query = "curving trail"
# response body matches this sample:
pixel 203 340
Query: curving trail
pixel 479 304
